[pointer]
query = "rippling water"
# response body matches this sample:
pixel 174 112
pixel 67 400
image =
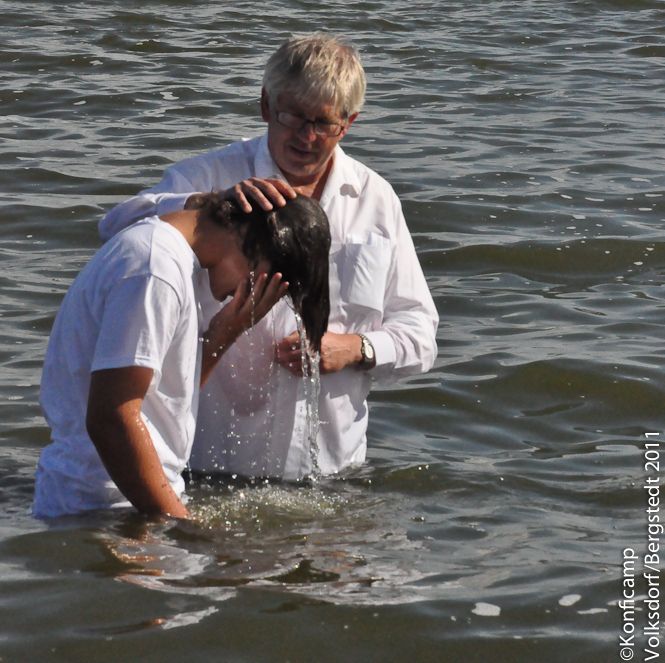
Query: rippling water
pixel 526 142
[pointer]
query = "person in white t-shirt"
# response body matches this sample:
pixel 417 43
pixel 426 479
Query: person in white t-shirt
pixel 383 321
pixel 128 349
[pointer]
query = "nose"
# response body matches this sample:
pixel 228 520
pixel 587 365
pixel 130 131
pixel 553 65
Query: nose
pixel 307 130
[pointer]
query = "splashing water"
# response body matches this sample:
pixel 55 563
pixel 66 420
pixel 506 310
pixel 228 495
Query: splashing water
pixel 311 376
pixel 265 507
pixel 252 299
pixel 259 363
pixel 248 331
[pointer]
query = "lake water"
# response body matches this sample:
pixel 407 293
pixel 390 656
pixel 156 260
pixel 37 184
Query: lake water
pixel 525 140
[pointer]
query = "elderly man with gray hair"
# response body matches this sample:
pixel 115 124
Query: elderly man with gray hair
pixel 382 324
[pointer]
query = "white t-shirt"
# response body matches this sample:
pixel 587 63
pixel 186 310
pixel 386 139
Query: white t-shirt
pixel 132 305
pixel 252 418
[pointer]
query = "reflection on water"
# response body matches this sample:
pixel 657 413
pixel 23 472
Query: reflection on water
pixel 500 488
pixel 348 542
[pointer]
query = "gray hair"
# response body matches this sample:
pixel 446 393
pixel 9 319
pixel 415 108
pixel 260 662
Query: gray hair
pixel 317 67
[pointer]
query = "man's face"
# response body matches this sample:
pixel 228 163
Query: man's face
pixel 301 154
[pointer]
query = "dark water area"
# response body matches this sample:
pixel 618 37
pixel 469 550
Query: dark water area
pixel 502 488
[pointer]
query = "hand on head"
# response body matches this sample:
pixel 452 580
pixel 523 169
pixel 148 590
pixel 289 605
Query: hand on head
pixel 266 193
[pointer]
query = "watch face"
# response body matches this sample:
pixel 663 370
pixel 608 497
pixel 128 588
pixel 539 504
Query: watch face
pixel 368 349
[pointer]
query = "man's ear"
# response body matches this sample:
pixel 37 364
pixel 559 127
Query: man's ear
pixel 349 121
pixel 265 108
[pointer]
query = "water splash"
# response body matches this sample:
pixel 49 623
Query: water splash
pixel 245 509
pixel 311 375
pixel 249 331
pixel 333 542
pixel 252 299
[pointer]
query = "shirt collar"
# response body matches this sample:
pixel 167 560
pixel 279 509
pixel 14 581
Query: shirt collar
pixel 343 179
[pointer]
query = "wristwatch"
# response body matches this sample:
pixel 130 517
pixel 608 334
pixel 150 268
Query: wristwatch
pixel 367 351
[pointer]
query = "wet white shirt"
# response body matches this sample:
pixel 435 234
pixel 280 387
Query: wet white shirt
pixel 132 305
pixel 252 414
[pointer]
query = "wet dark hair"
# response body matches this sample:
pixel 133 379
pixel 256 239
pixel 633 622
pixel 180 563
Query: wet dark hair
pixel 295 239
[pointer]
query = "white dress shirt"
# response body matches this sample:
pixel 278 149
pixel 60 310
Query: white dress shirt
pixel 252 413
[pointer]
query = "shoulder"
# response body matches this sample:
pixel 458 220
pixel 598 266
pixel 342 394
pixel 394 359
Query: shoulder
pixel 369 182
pixel 152 247
pixel 230 156
pixel 367 202
pixel 171 257
pixel 131 246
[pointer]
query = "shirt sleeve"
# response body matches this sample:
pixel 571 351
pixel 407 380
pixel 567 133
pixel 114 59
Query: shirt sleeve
pixel 140 317
pixel 405 344
pixel 169 195
pixel 213 171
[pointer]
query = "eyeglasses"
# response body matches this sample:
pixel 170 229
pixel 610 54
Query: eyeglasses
pixel 297 122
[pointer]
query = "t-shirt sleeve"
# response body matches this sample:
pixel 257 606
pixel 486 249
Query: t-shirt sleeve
pixel 140 317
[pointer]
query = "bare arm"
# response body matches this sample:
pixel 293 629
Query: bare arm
pixel 123 442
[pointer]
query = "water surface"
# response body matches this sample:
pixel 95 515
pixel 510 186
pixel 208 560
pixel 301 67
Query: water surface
pixel 525 141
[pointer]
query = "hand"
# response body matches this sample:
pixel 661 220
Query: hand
pixel 245 309
pixel 337 352
pixel 267 193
